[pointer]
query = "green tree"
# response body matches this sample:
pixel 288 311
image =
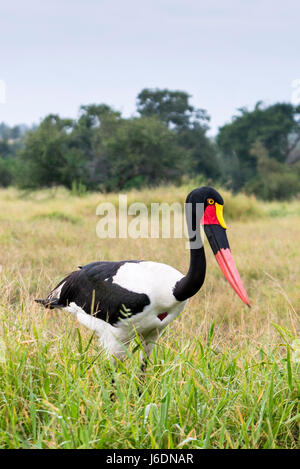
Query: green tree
pixel 142 151
pixel 10 142
pixel 277 127
pixel 95 124
pixel 201 152
pixel 92 118
pixel 5 149
pixel 46 159
pixel 190 125
pixel 171 107
pixel 6 171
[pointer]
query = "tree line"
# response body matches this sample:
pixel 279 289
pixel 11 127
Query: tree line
pixel 257 152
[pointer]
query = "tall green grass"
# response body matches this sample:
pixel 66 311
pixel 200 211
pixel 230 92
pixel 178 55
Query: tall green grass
pixel 56 393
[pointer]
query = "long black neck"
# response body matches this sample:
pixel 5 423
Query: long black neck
pixel 191 283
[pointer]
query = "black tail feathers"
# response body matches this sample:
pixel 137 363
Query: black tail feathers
pixel 51 304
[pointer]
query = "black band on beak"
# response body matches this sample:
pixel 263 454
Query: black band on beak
pixel 217 237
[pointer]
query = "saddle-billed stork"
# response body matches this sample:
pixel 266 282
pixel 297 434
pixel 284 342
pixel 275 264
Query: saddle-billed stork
pixel 120 299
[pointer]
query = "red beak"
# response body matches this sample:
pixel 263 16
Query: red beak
pixel 217 238
pixel 228 267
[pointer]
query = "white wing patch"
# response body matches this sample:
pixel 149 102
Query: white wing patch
pixel 56 293
pixel 152 278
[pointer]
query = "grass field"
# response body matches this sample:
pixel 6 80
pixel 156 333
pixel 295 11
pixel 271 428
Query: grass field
pixel 222 376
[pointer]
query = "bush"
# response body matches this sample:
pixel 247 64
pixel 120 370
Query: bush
pixel 274 180
pixel 6 172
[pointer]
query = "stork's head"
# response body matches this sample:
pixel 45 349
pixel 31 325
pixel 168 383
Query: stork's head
pixel 215 230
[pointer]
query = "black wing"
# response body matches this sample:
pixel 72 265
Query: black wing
pixel 92 289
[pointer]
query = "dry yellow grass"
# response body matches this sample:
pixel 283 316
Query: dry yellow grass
pixel 44 236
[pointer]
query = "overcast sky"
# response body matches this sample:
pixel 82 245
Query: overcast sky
pixel 56 55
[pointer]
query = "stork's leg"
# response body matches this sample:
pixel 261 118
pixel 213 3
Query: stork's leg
pixel 114 365
pixel 148 345
pixel 112 395
pixel 115 349
pixel 144 356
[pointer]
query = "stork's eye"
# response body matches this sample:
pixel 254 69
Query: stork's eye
pixel 210 201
